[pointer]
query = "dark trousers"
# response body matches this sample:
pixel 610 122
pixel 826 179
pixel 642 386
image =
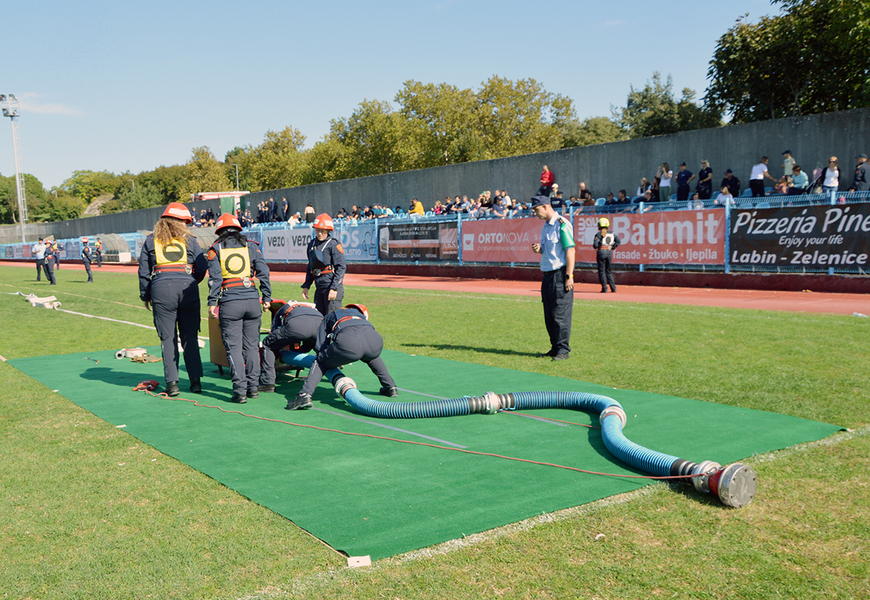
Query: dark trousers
pixel 558 309
pixel 49 272
pixel 358 342
pixel 757 187
pixel 87 264
pixel 40 264
pixel 175 306
pixel 322 302
pixel 297 329
pixel 683 191
pixel 240 332
pixel 99 260
pixel 605 276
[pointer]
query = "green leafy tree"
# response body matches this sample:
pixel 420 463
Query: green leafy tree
pixel 440 123
pixel 142 196
pixel 204 174
pixel 166 180
pixel 812 58
pixel 594 130
pixel 87 185
pixel 374 141
pixel 324 162
pixel 61 206
pixel 654 110
pixel 278 162
pixel 34 194
pixel 519 117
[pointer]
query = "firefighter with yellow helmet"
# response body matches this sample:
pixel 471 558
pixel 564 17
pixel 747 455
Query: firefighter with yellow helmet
pixel 605 243
pixel 171 265
pixel 326 266
pixel 233 264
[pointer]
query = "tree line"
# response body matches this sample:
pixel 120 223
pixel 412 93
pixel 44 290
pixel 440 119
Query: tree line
pixel 813 57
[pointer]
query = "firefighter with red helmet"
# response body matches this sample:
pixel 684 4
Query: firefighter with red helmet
pixel 345 336
pixel 326 266
pixel 171 266
pixel 233 264
pixel 294 327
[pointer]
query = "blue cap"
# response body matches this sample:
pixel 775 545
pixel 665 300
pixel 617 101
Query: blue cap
pixel 540 201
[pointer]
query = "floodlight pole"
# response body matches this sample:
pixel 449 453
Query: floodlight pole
pixel 9 104
pixel 237 176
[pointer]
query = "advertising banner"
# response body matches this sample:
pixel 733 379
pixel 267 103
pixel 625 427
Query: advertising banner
pixel 812 236
pixel 501 240
pixel 418 241
pixel 360 243
pixel 682 237
pixel 17 251
pixel 28 251
pixel 282 245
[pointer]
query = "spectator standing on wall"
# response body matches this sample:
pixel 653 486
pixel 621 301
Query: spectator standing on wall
pixel 664 174
pixel 705 181
pixel 861 182
pixel 788 163
pixel 547 180
pixel 684 178
pixel 831 181
pixel 731 182
pixel 756 178
pixel 557 288
pixel 309 213
pixel 285 210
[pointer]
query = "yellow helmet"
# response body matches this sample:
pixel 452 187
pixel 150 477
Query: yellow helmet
pixel 603 222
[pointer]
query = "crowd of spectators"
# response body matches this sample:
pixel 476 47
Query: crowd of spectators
pixel 500 205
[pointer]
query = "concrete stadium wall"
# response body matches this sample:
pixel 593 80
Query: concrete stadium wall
pixel 604 167
pixel 608 167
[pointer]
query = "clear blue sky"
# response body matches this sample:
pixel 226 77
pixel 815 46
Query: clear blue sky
pixel 131 86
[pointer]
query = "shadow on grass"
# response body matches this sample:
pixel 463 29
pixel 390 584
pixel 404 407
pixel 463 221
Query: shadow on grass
pixel 500 351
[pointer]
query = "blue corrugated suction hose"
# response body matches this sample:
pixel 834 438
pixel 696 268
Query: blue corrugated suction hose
pixel 735 485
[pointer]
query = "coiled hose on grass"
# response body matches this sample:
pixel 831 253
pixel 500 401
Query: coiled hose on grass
pixel 735 484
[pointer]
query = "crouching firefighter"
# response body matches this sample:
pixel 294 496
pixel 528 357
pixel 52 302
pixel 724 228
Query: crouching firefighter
pixel 233 262
pixel 294 328
pixel 345 336
pixel 326 267
pixel 171 265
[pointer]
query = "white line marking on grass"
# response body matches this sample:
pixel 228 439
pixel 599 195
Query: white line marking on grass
pixel 434 439
pixel 63 310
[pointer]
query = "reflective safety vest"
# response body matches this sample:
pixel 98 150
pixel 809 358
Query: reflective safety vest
pixel 171 257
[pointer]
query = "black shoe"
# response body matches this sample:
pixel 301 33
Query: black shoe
pixel 549 354
pixel 613 290
pixel 301 402
pixel 561 356
pixel 389 392
pixel 172 388
pixel 267 389
pixel 195 386
pixel 603 291
pixel 238 398
pixel 253 393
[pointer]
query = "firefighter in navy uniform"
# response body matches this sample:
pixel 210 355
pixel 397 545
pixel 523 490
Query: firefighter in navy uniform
pixel 87 259
pixel 233 262
pixel 345 336
pixel 171 265
pixel 48 266
pixel 98 251
pixel 294 325
pixel 326 267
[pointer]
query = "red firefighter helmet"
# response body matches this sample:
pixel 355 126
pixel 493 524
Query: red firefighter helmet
pixel 177 210
pixel 360 307
pixel 323 221
pixel 84 240
pixel 227 220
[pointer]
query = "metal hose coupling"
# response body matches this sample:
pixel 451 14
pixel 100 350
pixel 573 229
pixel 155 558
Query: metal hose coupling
pixel 735 485
pixel 343 384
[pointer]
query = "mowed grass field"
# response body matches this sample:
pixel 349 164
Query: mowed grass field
pixel 87 511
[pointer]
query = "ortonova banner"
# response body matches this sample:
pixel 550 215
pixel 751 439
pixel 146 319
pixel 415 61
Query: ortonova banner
pixel 811 236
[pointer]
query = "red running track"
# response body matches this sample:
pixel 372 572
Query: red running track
pixel 813 302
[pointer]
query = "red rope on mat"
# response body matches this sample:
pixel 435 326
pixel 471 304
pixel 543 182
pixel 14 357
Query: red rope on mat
pixel 380 437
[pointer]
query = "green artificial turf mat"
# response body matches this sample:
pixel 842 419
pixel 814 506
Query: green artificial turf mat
pixel 378 497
